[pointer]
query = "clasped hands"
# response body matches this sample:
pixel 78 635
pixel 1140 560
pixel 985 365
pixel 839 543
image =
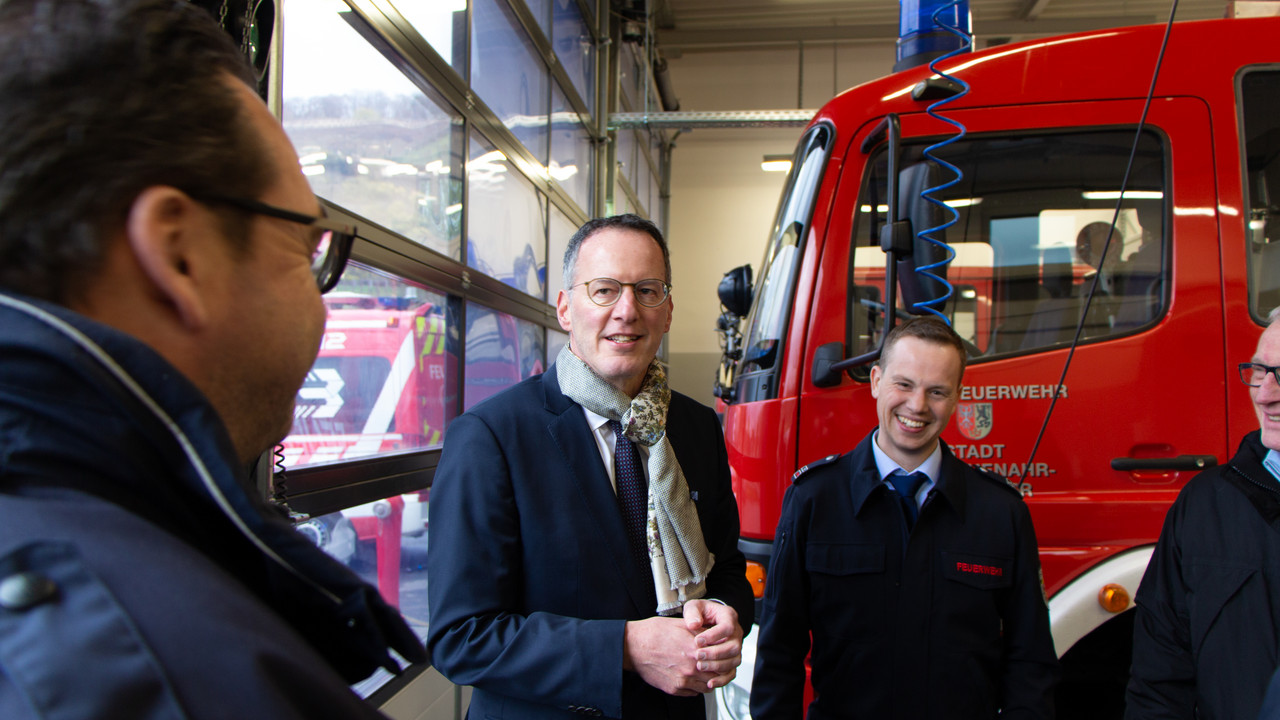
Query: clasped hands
pixel 686 655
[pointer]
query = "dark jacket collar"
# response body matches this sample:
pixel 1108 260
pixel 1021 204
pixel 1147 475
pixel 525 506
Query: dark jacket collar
pixel 554 399
pixel 866 477
pixel 1247 473
pixel 87 409
pixel 1250 453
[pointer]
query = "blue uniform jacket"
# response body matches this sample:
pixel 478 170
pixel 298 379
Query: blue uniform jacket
pixel 143 579
pixel 532 580
pixel 948 623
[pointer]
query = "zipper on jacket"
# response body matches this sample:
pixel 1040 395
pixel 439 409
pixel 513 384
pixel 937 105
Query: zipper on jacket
pixel 1269 487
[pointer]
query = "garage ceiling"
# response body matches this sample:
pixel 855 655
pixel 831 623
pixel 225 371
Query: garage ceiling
pixel 710 25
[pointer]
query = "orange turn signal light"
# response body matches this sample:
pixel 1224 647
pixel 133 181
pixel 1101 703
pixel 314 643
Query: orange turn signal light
pixel 755 576
pixel 1113 598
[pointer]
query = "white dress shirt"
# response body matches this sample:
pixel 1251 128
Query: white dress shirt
pixel 605 443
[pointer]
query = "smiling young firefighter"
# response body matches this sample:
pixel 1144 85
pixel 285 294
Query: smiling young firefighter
pixel 909 569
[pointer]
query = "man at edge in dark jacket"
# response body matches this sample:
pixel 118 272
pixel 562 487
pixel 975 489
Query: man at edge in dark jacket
pixel 1207 631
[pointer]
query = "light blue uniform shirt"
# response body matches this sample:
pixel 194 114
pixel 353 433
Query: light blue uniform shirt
pixel 1272 463
pixel 932 467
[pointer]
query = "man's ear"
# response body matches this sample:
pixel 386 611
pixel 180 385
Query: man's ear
pixel 562 311
pixel 165 229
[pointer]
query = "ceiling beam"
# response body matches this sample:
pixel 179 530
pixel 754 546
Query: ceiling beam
pixel 1031 9
pixel 773 35
pixel 663 16
pixel 739 37
pixel 691 120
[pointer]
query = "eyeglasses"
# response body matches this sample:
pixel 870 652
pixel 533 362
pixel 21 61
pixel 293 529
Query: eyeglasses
pixel 329 258
pixel 1254 374
pixel 606 291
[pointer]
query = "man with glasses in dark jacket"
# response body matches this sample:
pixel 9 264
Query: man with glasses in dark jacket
pixel 1208 621
pixel 161 264
pixel 583 556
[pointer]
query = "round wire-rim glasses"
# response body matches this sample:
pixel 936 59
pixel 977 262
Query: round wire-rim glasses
pixel 605 291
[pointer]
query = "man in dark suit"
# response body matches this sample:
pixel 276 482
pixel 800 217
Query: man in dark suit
pixel 915 576
pixel 583 556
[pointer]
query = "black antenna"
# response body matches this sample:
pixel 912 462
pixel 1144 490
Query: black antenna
pixel 1106 246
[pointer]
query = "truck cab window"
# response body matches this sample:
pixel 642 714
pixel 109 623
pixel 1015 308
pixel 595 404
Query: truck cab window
pixel 1260 121
pixel 1034 216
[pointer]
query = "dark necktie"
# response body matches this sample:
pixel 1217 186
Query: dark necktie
pixel 633 493
pixel 907 487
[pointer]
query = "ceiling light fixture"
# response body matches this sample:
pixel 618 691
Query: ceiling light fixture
pixel 776 163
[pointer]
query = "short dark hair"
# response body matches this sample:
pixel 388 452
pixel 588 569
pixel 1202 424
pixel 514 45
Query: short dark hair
pixel 1092 237
pixel 627 221
pixel 928 328
pixel 99 100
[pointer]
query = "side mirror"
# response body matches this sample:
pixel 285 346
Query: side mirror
pixel 917 288
pixel 735 290
pixel 823 358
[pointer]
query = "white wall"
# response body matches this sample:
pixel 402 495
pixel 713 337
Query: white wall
pixel 722 203
pixel 722 207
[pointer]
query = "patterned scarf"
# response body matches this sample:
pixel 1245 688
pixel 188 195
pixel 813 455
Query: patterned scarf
pixel 677 552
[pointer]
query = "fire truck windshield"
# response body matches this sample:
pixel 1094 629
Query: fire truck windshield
pixel 767 320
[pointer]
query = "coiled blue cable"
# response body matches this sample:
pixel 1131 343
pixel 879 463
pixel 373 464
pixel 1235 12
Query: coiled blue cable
pixel 934 110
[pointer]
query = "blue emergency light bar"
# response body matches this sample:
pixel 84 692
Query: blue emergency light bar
pixel 921 39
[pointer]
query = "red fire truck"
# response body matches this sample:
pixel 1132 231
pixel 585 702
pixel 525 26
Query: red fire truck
pixel 1055 131
pixel 381 385
pixel 377 385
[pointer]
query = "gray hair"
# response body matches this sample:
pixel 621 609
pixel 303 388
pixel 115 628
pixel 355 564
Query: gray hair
pixel 627 221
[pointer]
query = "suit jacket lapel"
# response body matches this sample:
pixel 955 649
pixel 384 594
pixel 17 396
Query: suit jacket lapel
pixel 571 434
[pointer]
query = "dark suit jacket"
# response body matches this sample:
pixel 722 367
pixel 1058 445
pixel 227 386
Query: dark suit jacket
pixel 530 577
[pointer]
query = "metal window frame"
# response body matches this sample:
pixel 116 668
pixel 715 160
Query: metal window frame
pixel 330 487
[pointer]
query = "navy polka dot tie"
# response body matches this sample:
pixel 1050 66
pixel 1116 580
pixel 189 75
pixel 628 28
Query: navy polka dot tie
pixel 907 486
pixel 633 493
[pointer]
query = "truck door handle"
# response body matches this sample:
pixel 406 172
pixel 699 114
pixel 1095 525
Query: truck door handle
pixel 1181 462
